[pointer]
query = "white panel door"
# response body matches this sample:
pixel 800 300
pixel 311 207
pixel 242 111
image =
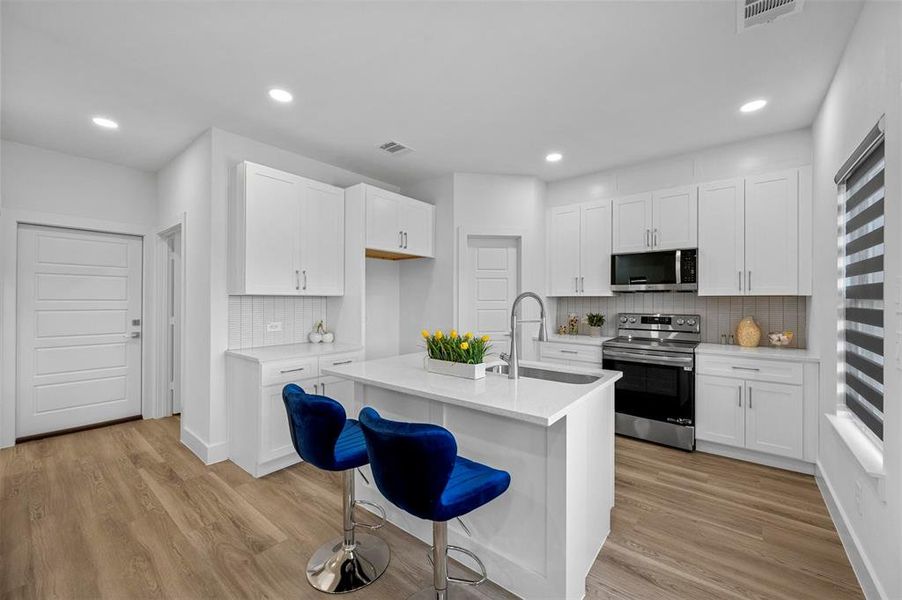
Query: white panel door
pixel 675 218
pixel 563 251
pixel 772 233
pixel 322 239
pixel 340 390
pixel 632 223
pixel 78 305
pixel 721 238
pixel 272 220
pixel 774 418
pixel 490 285
pixel 275 436
pixel 383 227
pixel 595 249
pixel 720 410
pixel 417 225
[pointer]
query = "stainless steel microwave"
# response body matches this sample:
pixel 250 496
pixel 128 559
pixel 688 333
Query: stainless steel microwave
pixel 663 271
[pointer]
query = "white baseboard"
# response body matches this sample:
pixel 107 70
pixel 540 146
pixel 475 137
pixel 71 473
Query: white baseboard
pixel 761 458
pixel 870 586
pixel 209 453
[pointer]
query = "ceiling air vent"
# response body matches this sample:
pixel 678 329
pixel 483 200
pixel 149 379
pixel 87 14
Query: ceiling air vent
pixel 395 148
pixel 759 12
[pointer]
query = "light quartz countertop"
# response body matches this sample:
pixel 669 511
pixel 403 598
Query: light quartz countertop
pixel 531 400
pixel 289 351
pixel 762 352
pixel 585 340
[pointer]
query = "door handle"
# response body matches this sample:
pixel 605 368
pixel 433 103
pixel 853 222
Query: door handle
pixel 134 335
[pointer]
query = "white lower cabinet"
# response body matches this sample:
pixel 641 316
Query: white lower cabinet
pixel 259 436
pixel 764 407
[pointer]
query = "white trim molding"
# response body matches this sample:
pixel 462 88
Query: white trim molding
pixel 208 453
pixel 862 567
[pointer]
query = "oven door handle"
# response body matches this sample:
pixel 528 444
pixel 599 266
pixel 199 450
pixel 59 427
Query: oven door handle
pixel 685 362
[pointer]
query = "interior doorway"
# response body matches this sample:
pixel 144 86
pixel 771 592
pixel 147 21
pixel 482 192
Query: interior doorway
pixel 172 321
pixel 78 329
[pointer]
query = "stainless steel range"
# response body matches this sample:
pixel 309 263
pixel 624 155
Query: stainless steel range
pixel 655 399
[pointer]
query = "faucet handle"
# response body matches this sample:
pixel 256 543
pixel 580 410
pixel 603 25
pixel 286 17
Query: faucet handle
pixel 505 357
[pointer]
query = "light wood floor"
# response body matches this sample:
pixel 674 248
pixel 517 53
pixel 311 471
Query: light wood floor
pixel 128 512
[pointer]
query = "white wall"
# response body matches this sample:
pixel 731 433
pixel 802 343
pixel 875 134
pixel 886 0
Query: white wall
pixel 184 187
pixel 35 179
pixel 748 157
pixel 383 299
pixel 52 188
pixel 866 85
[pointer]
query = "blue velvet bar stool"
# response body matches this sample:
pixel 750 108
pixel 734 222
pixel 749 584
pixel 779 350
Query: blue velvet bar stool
pixel 416 467
pixel 324 437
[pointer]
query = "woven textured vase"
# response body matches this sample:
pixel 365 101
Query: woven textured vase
pixel 748 334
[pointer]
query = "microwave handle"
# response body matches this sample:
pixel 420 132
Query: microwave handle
pixel 679 266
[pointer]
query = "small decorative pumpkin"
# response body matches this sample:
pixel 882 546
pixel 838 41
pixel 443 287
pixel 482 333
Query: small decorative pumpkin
pixel 748 334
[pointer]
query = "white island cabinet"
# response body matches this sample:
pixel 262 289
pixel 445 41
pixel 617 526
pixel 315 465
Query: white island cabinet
pixel 538 539
pixel 259 439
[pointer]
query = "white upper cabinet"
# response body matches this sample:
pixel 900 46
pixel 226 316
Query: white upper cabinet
pixel 579 249
pixel 397 226
pixel 563 264
pixel 632 224
pixel 286 234
pixel 772 233
pixel 721 238
pixel 595 249
pixel 674 218
pixel 751 238
pixel 662 220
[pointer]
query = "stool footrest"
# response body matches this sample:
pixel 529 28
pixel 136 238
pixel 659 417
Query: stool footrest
pixel 374 506
pixel 483 574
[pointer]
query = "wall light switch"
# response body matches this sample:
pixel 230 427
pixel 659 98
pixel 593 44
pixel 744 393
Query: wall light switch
pixel 274 326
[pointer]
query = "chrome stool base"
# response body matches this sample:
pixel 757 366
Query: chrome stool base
pixel 337 569
pixel 458 592
pixel 438 558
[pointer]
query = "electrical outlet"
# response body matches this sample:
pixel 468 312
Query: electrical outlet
pixel 858 498
pixel 274 326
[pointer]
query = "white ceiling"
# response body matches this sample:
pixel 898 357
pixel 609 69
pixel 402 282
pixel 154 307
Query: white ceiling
pixel 482 87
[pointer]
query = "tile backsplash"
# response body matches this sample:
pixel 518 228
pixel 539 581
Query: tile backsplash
pixel 720 315
pixel 250 315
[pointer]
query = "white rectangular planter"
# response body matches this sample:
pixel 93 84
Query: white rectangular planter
pixel 445 367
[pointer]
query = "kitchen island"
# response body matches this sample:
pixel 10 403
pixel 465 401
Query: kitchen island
pixel 556 439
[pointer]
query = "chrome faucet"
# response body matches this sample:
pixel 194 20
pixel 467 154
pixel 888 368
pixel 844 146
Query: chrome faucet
pixel 513 361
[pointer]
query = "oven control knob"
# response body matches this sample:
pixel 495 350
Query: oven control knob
pixel 632 319
pixel 690 322
pixel 623 319
pixel 680 321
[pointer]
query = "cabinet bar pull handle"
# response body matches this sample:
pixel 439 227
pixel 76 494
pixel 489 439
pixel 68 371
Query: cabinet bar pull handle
pixel 749 286
pixel 316 389
pixel 740 395
pixel 576 284
pixel 647 238
pixel 297 279
pixel 324 388
pixel 305 279
pixel 569 352
pixel 342 362
pixel 400 239
pixel 655 238
pixel 283 371
pixel 750 396
pixel 582 284
pixel 740 279
pixel 405 239
pixel 746 368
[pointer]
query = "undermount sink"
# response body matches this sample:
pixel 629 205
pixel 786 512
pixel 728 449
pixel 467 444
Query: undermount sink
pixel 547 375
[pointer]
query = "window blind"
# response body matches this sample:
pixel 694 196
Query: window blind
pixel 861 235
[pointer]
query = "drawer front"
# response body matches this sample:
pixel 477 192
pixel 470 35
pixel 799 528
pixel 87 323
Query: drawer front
pixel 337 360
pixel 570 352
pixel 286 371
pixel 773 371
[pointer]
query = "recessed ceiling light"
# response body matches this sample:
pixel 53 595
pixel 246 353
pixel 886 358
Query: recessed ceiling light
pixel 753 105
pixel 105 123
pixel 280 95
pixel 554 157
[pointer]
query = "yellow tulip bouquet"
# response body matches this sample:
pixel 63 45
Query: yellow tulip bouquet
pixel 453 347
